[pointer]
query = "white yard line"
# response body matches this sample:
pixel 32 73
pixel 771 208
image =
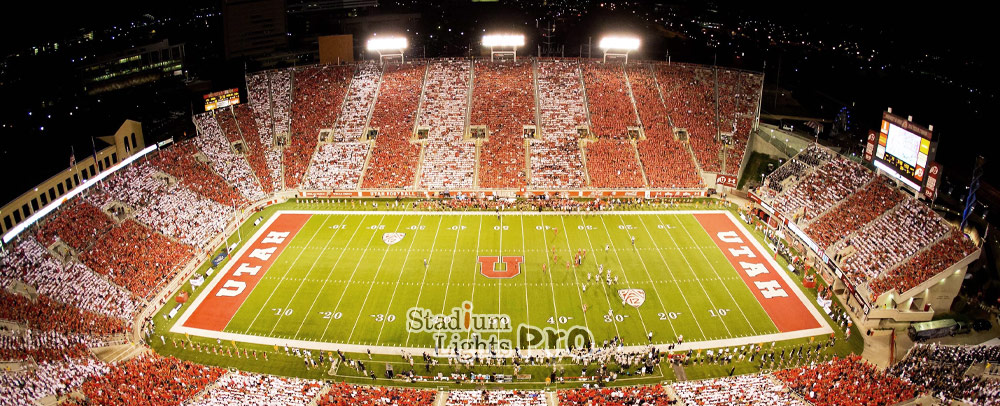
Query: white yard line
pixel 710 301
pixel 650 276
pixel 555 308
pixel 311 267
pixel 351 278
pixel 724 286
pixel 621 268
pixel 527 314
pixel 277 285
pixel 472 297
pixel 329 274
pixel 610 306
pixel 377 272
pixel 405 258
pixel 450 268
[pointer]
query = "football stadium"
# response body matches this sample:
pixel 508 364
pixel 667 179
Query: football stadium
pixel 494 229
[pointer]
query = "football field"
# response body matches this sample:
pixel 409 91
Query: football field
pixel 482 280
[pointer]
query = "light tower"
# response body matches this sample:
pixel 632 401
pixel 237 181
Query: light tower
pixel 388 47
pixel 503 44
pixel 618 46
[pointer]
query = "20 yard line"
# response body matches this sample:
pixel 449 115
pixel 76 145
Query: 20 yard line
pixel 277 285
pixel 330 274
pixel 355 271
pixel 281 313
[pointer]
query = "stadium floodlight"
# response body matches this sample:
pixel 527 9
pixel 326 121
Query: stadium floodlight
pixel 503 44
pixel 618 46
pixel 388 47
pixel 503 40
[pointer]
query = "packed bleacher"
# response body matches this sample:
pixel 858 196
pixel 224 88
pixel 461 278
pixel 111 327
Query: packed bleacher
pixel 56 378
pixel 281 101
pixel 73 284
pixel 797 167
pixel 943 371
pixel 556 159
pixel 845 382
pixel 186 216
pixel 45 314
pixel 148 379
pixel 495 397
pixel 665 160
pixel 137 258
pixel 76 223
pixel 318 96
pixel 755 389
pixel 248 389
pixel 259 89
pixel 823 188
pixel 861 208
pixel 336 166
pixel 179 161
pixel 342 394
pixel 394 158
pixel 358 103
pixel 449 162
pixel 617 396
pixel 889 240
pixel 738 96
pixel 921 267
pixel 689 96
pixel 502 156
pixel 611 159
pixel 257 151
pixel 217 131
pixel 42 346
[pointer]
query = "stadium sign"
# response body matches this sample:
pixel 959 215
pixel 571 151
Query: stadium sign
pixel 726 180
pixel 462 329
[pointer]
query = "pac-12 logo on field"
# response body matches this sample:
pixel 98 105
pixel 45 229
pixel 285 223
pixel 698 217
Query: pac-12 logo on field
pixel 633 297
pixel 392 238
pixel 500 267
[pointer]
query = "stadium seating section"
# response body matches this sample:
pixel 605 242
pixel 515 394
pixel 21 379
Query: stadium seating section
pixel 502 157
pixel 556 161
pixel 318 96
pixel 449 162
pixel 394 158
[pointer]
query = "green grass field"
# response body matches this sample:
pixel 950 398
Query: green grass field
pixel 532 296
pixel 338 282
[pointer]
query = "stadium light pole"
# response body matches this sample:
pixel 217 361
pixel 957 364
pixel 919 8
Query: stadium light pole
pixel 506 43
pixel 388 47
pixel 618 46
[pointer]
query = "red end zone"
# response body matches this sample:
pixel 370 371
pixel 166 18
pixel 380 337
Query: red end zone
pixel 221 303
pixel 772 291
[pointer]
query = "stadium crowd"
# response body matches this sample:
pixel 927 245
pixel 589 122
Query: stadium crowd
pixel 556 159
pixel 738 97
pixel 927 263
pixel 179 161
pixel 754 389
pixel 823 188
pixel 56 378
pixel 318 96
pixel 147 379
pixel 218 130
pixel 495 397
pixel 449 162
pixel 845 382
pixel 890 239
pixel 394 159
pixel 45 314
pixel 665 160
pixel 618 396
pixel 943 371
pixel 358 103
pixel 342 394
pixel 689 97
pixel 248 389
pixel 76 223
pixel 256 150
pixel 501 157
pixel 612 160
pixel 861 208
pixel 259 89
pixel 136 258
pixel 336 166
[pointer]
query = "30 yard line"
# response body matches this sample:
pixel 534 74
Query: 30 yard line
pixel 329 274
pixel 355 271
pixel 570 247
pixel 621 266
pixel 393 297
pixel 377 272
pixel 277 285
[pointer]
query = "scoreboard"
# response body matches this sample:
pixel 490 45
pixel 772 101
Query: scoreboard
pixel 222 99
pixel 903 150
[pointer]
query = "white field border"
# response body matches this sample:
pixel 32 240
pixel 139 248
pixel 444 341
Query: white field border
pixel 397 350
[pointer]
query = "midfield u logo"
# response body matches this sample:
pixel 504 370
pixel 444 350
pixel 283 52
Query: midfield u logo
pixel 500 267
